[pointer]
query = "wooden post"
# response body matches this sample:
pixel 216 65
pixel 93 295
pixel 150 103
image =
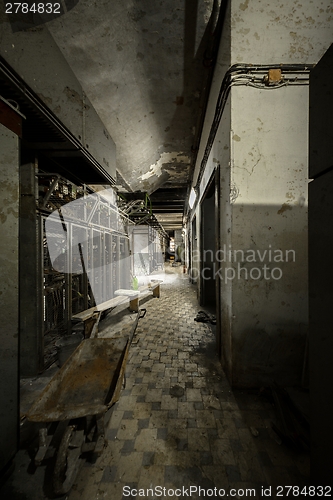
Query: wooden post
pixel 134 304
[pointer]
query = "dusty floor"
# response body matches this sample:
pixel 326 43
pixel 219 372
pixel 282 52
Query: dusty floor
pixel 177 423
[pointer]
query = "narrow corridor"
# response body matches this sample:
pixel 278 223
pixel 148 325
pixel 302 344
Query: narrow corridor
pixel 177 423
pixel 138 133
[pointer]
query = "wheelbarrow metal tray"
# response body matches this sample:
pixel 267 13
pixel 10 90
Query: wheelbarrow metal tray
pixel 87 384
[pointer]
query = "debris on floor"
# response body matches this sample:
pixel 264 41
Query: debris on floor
pixel 203 317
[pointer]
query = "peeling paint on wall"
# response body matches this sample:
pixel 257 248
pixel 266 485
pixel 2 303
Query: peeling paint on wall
pixel 234 193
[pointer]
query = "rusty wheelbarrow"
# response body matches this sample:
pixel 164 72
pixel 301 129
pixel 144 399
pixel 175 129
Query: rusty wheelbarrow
pixel 73 407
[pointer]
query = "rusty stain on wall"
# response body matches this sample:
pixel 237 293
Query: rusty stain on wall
pixel 284 208
pixel 244 6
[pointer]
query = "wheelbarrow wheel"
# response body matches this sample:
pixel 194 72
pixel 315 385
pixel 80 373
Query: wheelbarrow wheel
pixel 67 462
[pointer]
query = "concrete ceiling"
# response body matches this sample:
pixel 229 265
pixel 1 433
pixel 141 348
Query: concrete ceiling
pixel 145 64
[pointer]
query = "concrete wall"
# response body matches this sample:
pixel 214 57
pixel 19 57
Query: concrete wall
pixel 35 56
pixel 223 63
pixel 269 170
pixel 219 156
pixel 321 338
pixel 9 293
pixel 31 285
pixel 221 150
pixel 320 267
pixel 269 215
pixel 262 148
pixel 268 32
pixel 321 110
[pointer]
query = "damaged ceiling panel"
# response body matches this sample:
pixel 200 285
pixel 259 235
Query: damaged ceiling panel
pixel 169 169
pixel 144 64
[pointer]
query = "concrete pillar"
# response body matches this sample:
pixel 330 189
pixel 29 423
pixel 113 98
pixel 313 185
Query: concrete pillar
pixel 321 337
pixel 320 268
pixel 31 312
pixel 268 263
pixel 264 188
pixel 9 286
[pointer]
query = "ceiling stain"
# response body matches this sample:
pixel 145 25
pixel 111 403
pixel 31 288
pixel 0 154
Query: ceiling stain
pixel 132 78
pixel 175 163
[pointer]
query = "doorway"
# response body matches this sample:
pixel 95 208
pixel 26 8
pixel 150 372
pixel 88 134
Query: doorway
pixel 207 251
pixel 193 260
pixel 209 244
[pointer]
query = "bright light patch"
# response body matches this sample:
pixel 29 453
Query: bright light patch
pixel 193 196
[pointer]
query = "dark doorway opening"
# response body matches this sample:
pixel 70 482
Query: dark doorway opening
pixel 193 253
pixel 209 244
pixel 320 267
pixel 207 277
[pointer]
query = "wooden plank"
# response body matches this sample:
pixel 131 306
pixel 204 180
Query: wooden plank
pixel 90 318
pixel 92 333
pixel 84 315
pixel 116 301
pixel 149 287
pixel 88 313
pixel 121 377
pixel 134 304
pixel 127 293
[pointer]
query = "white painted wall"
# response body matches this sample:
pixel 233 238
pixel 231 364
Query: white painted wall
pixel 271 32
pixel 269 173
pixel 264 172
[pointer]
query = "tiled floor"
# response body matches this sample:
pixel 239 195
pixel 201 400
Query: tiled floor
pixel 178 424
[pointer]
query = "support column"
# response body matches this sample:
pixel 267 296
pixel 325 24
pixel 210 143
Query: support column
pixel 31 320
pixel 267 266
pixel 9 284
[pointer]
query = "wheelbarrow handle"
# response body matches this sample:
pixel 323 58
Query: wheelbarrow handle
pixel 142 313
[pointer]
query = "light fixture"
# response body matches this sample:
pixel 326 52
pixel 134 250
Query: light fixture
pixel 192 198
